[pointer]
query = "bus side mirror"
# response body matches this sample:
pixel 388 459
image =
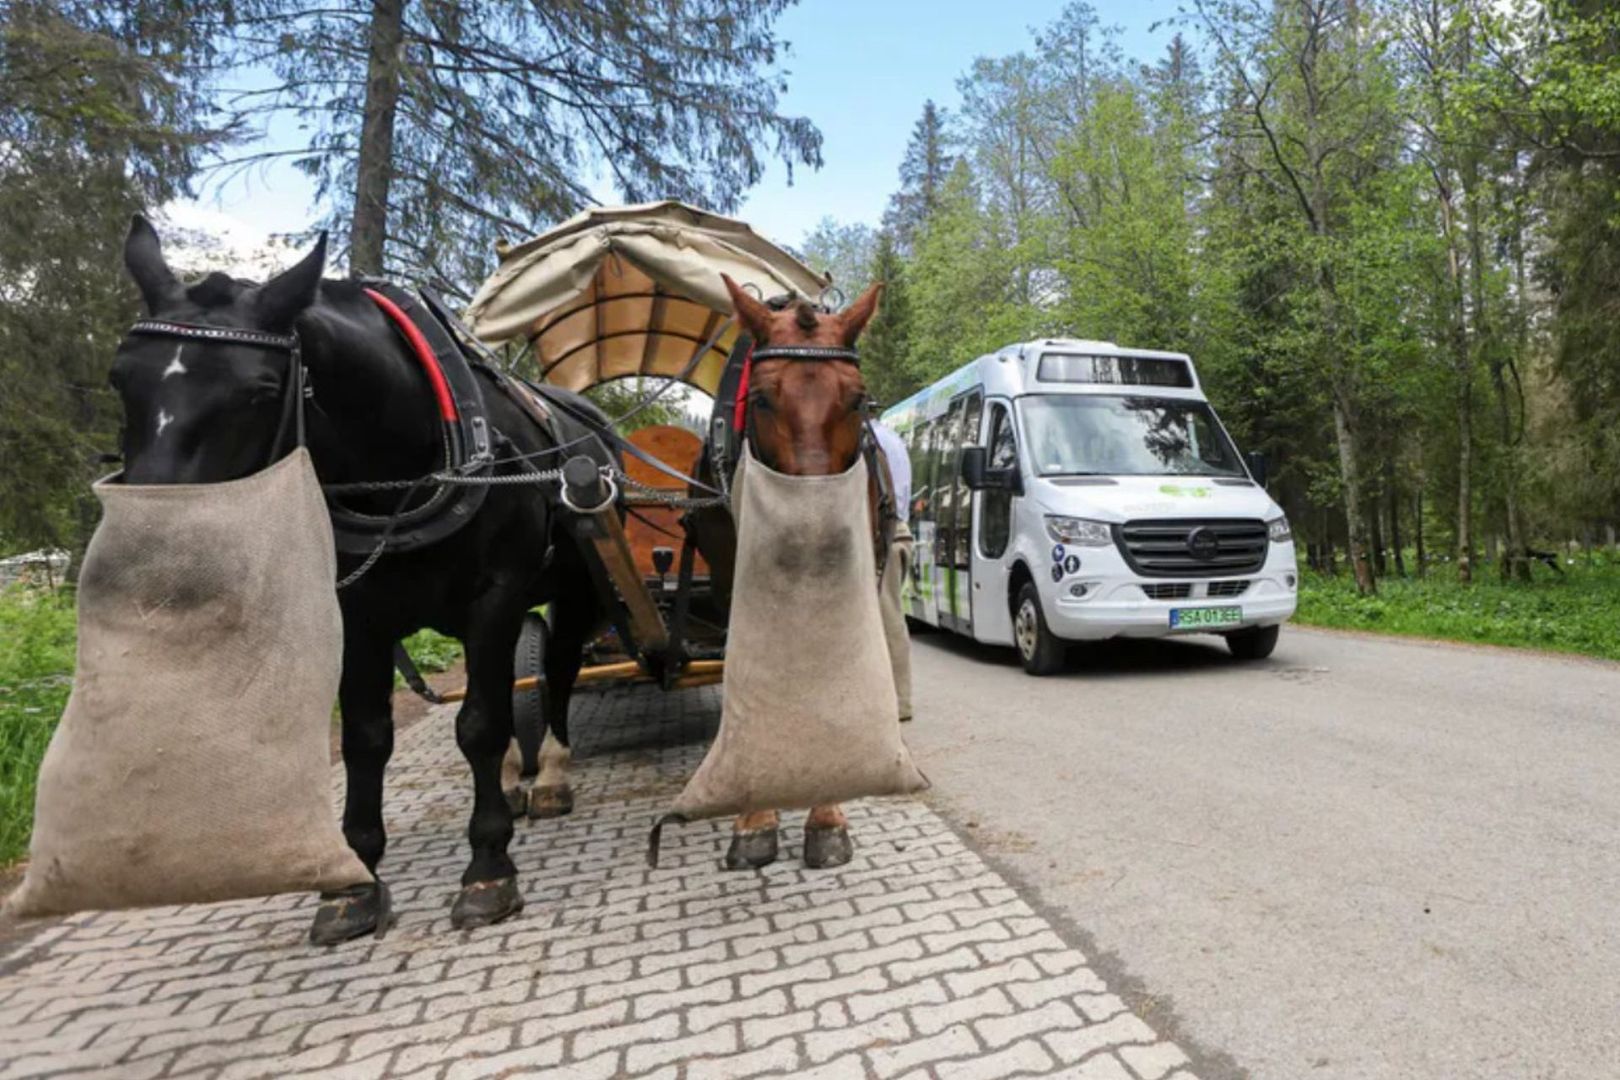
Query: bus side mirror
pixel 1258 467
pixel 978 476
pixel 973 458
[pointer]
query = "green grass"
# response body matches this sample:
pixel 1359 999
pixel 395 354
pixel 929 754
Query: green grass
pixel 1576 613
pixel 36 670
pixel 431 651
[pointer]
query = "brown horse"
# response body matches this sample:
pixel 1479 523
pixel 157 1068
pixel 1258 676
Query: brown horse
pixel 805 420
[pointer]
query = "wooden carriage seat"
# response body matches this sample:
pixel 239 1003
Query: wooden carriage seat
pixel 679 449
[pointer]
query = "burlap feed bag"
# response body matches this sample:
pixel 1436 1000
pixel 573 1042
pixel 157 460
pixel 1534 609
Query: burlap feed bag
pixel 191 764
pixel 896 568
pixel 809 708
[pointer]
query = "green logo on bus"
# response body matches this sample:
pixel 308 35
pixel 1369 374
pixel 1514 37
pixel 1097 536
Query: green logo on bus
pixel 1184 490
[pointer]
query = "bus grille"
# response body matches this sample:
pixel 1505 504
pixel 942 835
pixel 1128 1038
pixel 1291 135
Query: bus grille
pixel 1193 547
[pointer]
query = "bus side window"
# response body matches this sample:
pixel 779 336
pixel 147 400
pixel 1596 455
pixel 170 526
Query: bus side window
pixel 967 435
pixel 922 475
pixel 995 506
pixel 917 451
pixel 947 446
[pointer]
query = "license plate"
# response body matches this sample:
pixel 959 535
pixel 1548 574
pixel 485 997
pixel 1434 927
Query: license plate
pixel 1199 618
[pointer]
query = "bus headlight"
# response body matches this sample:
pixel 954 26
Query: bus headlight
pixel 1080 531
pixel 1278 530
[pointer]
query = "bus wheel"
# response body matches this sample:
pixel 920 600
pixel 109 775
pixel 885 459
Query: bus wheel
pixel 1254 643
pixel 1039 649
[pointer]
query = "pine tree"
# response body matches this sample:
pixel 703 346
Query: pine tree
pixel 887 339
pixel 923 171
pixel 439 127
pixel 104 115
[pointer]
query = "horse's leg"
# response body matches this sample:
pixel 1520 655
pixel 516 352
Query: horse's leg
pixel 522 764
pixel 489 890
pixel 753 840
pixel 573 614
pixel 513 774
pixel 826 837
pixel 365 698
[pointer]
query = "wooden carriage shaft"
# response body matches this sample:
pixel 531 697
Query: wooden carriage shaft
pixel 606 534
pixel 697 673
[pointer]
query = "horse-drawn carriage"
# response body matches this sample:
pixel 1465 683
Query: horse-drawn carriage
pixel 635 293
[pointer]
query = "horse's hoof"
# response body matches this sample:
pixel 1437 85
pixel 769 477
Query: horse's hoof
pixel 751 850
pixel 824 848
pixel 350 913
pixel 517 799
pixel 485 903
pixel 550 800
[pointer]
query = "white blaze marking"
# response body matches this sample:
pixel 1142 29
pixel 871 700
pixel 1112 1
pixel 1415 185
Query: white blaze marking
pixel 164 420
pixel 175 366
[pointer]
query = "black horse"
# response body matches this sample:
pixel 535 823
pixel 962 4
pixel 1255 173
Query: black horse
pixel 199 411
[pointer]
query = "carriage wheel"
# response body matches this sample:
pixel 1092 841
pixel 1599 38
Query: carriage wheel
pixel 529 706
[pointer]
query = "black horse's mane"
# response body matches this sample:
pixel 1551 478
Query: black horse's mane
pixel 216 289
pixel 220 288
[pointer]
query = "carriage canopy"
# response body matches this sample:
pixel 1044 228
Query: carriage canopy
pixel 632 290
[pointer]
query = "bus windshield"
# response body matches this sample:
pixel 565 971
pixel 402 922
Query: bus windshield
pixel 1111 435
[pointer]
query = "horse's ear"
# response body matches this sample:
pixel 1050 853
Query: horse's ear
pixel 143 257
pixel 754 316
pixel 858 314
pixel 284 297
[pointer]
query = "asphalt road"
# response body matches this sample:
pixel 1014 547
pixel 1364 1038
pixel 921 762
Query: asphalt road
pixel 1364 857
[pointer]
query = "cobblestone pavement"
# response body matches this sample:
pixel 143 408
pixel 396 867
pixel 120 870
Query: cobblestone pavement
pixel 914 960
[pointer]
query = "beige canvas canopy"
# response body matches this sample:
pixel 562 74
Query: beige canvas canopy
pixel 631 290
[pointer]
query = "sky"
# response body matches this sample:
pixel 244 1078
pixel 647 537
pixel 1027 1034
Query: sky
pixel 860 69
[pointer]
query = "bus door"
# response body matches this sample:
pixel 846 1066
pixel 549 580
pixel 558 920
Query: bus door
pixel 953 515
pixel 993 536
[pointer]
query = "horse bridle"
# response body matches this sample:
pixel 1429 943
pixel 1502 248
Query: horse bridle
pixel 808 352
pixel 294 387
pixel 888 514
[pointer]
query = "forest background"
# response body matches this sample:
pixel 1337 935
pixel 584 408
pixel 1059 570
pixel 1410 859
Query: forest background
pixel 1388 230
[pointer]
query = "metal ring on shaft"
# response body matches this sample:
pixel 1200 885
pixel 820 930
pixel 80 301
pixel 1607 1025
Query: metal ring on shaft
pixel 607 501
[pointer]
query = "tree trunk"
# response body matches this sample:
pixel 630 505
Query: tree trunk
pixel 374 172
pixel 1465 494
pixel 1517 564
pixel 1462 360
pixel 1375 522
pixel 1417 532
pixel 1355 520
pixel 1394 518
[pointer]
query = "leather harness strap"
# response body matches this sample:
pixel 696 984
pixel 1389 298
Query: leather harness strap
pixel 423 351
pixel 465 436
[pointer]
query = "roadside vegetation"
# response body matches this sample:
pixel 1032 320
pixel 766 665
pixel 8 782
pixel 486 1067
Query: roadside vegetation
pixel 1577 612
pixel 36 668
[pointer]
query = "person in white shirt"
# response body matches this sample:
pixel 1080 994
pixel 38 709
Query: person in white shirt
pixel 899 459
pixel 897 565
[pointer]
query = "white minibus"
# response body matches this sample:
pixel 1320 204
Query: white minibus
pixel 1067 490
